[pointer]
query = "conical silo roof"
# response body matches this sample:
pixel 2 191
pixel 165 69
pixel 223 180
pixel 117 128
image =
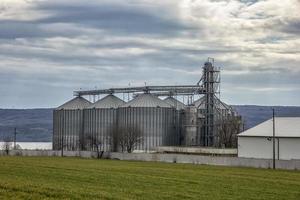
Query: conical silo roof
pixel 147 100
pixel 200 103
pixel 174 103
pixel 75 104
pixel 109 101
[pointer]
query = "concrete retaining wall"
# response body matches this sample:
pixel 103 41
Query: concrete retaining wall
pixel 84 154
pixel 209 160
pixel 196 150
pixel 171 158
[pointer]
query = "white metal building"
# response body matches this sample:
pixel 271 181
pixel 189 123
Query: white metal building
pixel 257 142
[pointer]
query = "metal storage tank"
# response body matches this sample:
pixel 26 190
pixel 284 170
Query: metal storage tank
pixel 190 126
pixel 100 119
pixel 153 117
pixel 68 124
pixel 179 106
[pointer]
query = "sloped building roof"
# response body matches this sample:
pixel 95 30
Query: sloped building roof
pixel 146 100
pixel 109 101
pixel 284 127
pixel 174 103
pixel 75 104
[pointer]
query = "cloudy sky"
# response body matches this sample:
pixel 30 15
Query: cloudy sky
pixel 48 49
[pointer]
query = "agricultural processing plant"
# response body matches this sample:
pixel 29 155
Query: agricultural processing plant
pixel 80 124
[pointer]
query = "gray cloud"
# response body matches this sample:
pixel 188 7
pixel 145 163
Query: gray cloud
pixel 50 48
pixel 292 27
pixel 115 18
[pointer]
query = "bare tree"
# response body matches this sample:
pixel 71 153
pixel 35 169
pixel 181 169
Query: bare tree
pixel 7 145
pixel 228 131
pixel 128 138
pixel 95 143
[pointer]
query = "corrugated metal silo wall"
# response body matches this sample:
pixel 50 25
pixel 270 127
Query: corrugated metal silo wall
pixel 67 129
pixel 179 127
pixel 99 124
pixel 158 125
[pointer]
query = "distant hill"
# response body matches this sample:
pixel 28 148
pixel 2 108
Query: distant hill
pixel 35 125
pixel 253 115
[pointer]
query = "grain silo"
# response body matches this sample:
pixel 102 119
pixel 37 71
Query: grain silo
pixel 100 119
pixel 68 124
pixel 190 126
pixel 179 106
pixel 153 117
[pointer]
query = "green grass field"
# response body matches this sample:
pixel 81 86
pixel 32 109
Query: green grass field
pixel 75 178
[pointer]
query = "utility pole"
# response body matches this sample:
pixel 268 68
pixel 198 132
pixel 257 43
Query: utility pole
pixel 273 138
pixel 62 134
pixel 15 138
